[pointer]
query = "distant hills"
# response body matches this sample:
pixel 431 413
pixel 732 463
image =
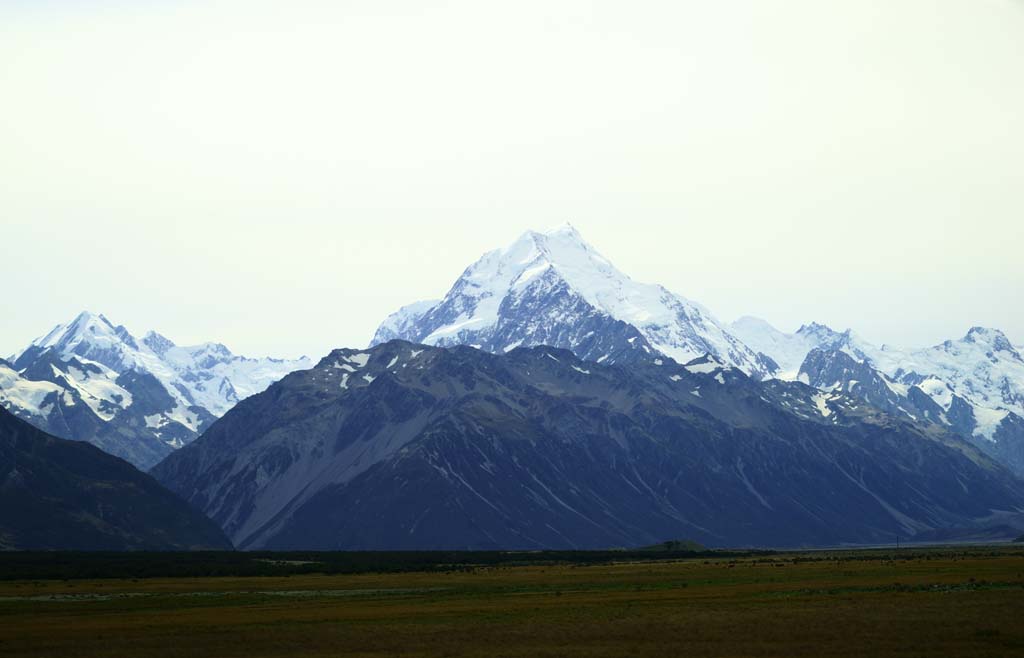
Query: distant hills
pixel 69 495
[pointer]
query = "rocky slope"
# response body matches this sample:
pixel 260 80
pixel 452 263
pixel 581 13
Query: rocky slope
pixel 408 446
pixel 68 495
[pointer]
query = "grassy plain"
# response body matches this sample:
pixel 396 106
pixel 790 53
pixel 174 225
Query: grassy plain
pixel 920 602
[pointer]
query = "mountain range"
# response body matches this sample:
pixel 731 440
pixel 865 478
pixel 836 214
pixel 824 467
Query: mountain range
pixel 135 398
pixel 408 446
pixel 549 400
pixel 553 288
pixel 973 386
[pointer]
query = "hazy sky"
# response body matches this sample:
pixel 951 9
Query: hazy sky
pixel 280 176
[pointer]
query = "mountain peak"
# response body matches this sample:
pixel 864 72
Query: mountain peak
pixel 994 338
pixel 560 253
pixel 88 336
pixel 87 319
pixel 816 329
pixel 158 343
pixel 85 327
pixel 561 245
pixel 553 288
pixel 564 229
pixel 983 333
pixel 88 316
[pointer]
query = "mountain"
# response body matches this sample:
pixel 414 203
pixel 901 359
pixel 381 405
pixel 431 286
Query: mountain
pixel 553 288
pixel 68 495
pixel 787 350
pixel 138 399
pixel 974 385
pixel 81 401
pixel 407 446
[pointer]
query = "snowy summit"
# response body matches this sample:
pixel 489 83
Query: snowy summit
pixel 553 288
pixel 92 380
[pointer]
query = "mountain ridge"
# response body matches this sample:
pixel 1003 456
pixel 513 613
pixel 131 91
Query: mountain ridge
pixel 57 494
pixel 415 446
pixel 139 399
pixel 974 384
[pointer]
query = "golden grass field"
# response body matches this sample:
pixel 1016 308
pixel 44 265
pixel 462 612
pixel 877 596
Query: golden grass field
pixel 938 602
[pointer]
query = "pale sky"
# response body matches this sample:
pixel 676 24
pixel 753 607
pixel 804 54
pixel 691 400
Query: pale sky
pixel 279 176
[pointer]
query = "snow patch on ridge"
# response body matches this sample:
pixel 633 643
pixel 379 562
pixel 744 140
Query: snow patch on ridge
pixel 821 402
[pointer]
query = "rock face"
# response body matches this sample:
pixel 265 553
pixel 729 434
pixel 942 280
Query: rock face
pixel 92 381
pixel 834 369
pixel 408 446
pixel 554 289
pixel 973 386
pixel 68 495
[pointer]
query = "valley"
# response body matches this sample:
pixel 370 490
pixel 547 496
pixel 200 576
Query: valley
pixel 953 601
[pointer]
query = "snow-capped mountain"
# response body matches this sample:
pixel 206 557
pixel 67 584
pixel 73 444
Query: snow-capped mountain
pixel 414 447
pixel 553 288
pixel 787 350
pixel 974 385
pixel 138 399
pixel 403 321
